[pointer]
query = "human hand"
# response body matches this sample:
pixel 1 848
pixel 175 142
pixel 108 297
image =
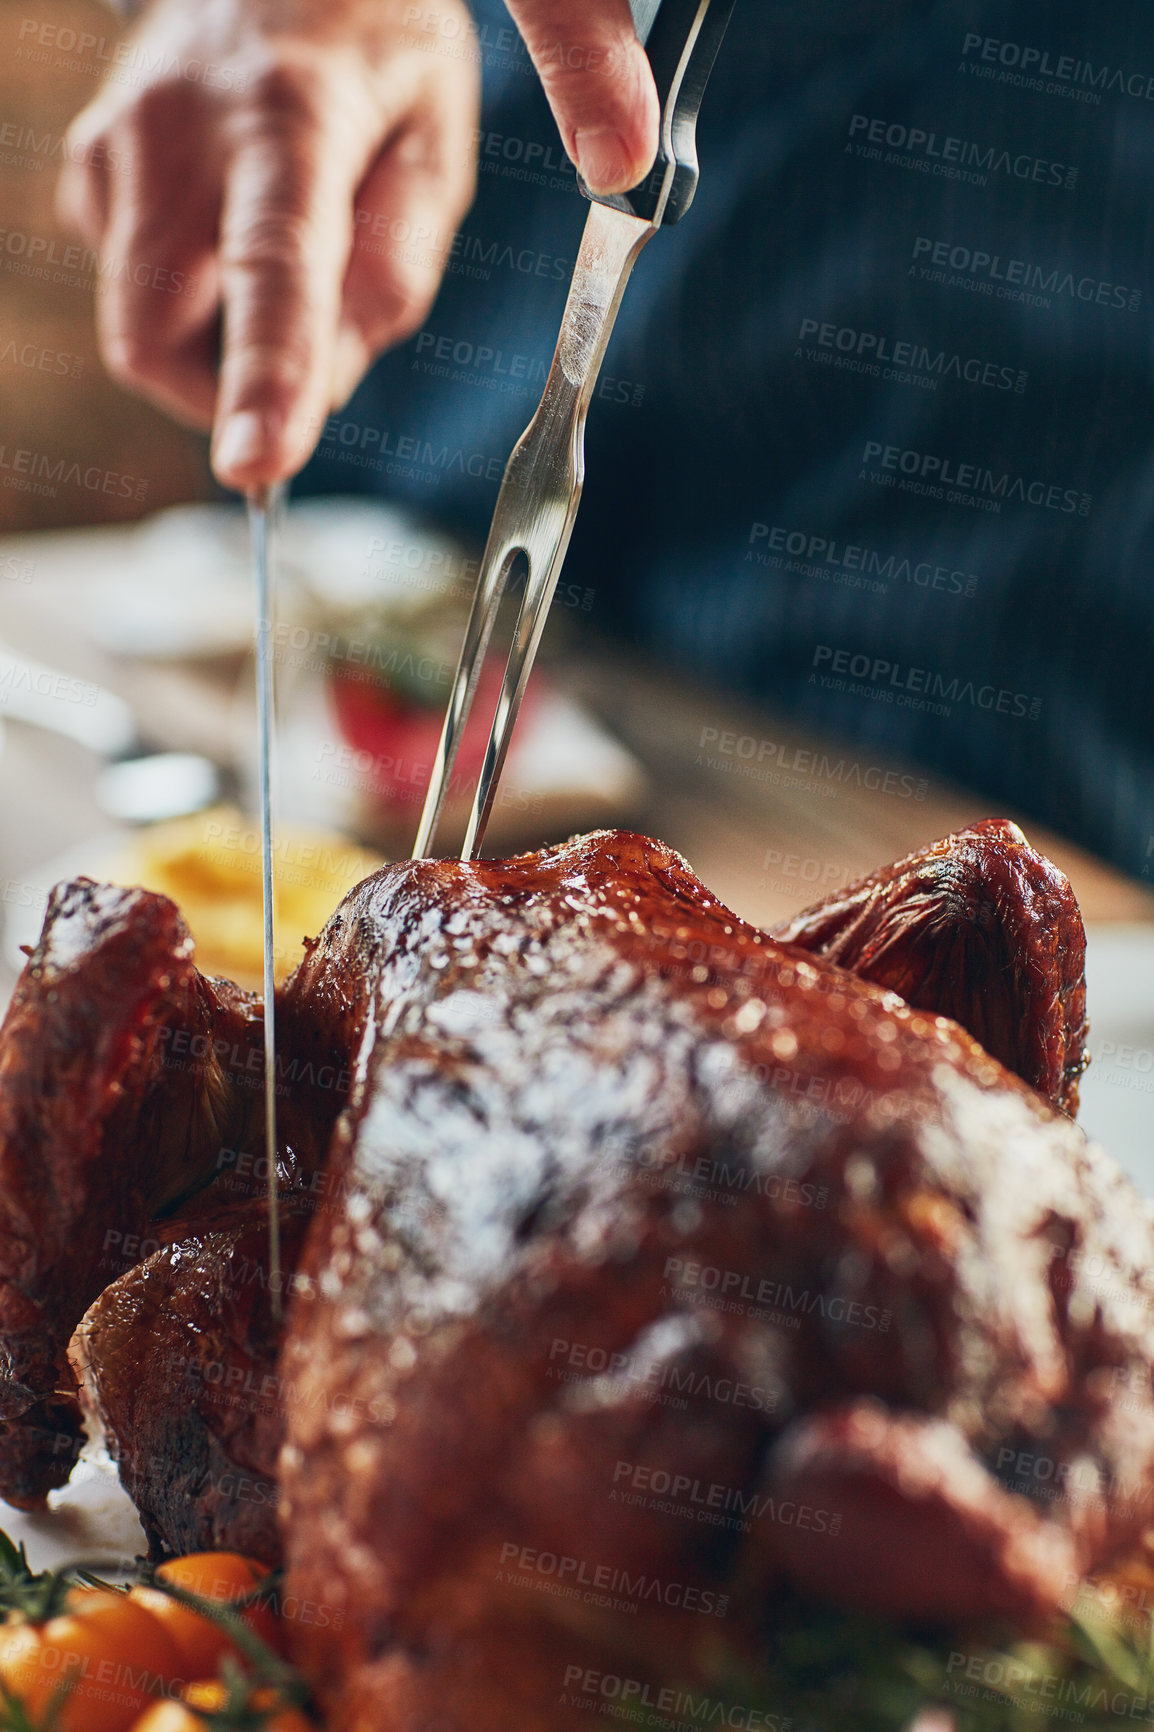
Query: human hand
pixel 599 85
pixel 224 190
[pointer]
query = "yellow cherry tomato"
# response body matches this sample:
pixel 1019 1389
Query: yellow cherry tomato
pixel 209 1697
pixel 220 1576
pixel 102 1660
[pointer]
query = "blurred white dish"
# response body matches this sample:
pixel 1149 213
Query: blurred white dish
pixel 1118 1089
pixel 92 1519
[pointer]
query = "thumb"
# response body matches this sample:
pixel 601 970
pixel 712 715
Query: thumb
pixel 599 85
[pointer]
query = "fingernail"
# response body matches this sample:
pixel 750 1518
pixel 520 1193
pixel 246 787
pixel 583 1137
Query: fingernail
pixel 242 441
pixel 603 159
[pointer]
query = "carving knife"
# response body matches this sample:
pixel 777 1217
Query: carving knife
pixel 264 509
pixel 541 489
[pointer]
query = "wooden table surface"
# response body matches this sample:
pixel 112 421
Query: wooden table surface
pixel 770 816
pixel 776 828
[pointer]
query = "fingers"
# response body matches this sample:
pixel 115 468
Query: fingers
pixel 599 85
pixel 82 197
pixel 157 289
pixel 229 291
pixel 82 192
pixel 407 212
pixel 285 238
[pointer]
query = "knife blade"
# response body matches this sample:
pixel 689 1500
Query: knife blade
pixel 263 510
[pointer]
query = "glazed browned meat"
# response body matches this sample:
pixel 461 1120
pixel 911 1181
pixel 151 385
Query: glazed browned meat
pixel 655 1264
pixel 138 1370
pixel 980 927
pixel 180 1355
pixel 131 1109
pixel 665 1265
pixel 179 1358
pixel 117 1090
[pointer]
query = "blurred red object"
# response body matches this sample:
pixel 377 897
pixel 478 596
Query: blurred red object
pixel 397 734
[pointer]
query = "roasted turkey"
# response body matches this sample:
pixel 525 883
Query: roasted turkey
pixel 641 1265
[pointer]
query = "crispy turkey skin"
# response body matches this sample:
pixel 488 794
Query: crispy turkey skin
pixel 980 927
pixel 655 1264
pixel 652 1233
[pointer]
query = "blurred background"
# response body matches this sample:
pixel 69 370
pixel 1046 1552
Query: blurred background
pixel 55 393
pixel 125 625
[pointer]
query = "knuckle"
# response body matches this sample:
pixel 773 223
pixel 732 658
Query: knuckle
pixel 287 95
pixel 405 304
pixel 272 244
pixel 157 110
pixel 411 312
pixel 81 139
pixel 151 107
pixel 73 189
pixel 131 357
pixel 274 371
pixel 596 79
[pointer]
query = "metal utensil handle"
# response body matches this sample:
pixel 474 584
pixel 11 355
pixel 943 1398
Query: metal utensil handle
pixel 535 509
pixel 682 39
pixel 541 488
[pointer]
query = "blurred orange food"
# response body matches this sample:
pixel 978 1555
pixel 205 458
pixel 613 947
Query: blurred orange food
pixel 94 1667
pixel 205 1705
pixel 218 1576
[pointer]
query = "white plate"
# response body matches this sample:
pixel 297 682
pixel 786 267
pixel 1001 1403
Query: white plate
pixel 90 1520
pixel 1118 1089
